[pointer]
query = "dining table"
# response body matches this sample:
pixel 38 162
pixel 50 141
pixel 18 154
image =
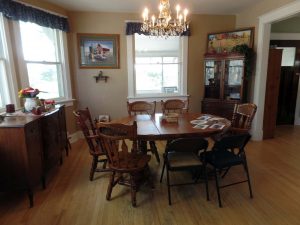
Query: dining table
pixel 159 127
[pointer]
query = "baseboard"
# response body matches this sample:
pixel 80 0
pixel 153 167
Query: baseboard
pixel 256 136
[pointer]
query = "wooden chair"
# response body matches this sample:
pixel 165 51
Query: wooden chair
pixel 84 120
pixel 183 154
pixel 116 138
pixel 175 105
pixel 143 107
pixel 242 117
pixel 226 153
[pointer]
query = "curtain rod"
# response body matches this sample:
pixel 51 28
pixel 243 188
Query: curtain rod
pixel 36 7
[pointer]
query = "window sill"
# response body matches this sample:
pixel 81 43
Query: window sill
pixel 66 102
pixel 157 98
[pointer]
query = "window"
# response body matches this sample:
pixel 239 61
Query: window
pixel 156 66
pixel 44 61
pixel 6 68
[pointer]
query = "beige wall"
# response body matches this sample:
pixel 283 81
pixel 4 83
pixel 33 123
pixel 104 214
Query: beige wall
pixel 290 25
pixel 47 6
pixel 110 98
pixel 250 16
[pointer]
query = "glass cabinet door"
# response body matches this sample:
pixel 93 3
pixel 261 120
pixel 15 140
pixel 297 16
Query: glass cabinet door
pixel 233 79
pixel 213 74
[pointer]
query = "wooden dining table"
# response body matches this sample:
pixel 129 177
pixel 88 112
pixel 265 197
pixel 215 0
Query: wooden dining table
pixel 156 127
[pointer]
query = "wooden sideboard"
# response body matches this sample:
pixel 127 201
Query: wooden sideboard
pixel 29 147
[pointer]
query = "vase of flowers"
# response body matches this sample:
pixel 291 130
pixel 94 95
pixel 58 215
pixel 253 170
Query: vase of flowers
pixel 30 96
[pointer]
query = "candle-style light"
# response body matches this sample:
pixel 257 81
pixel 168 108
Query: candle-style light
pixel 164 25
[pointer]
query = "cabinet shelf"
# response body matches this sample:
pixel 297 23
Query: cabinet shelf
pixel 224 83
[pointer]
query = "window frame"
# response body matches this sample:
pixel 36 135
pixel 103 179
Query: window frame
pixel 63 58
pixel 182 94
pixel 11 92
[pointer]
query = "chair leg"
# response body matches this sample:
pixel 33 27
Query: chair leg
pixel 93 168
pixel 149 177
pixel 248 178
pixel 67 150
pixel 217 186
pixel 143 146
pixel 133 190
pixel 154 150
pixel 104 164
pixel 206 182
pixel 30 196
pixel 169 187
pixel 224 174
pixel 110 186
pixel 162 172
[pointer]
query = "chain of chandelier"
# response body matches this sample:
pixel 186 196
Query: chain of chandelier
pixel 164 25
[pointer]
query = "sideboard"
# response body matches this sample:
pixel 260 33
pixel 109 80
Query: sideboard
pixel 29 147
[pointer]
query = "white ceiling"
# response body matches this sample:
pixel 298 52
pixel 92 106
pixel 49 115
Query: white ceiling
pixel 137 6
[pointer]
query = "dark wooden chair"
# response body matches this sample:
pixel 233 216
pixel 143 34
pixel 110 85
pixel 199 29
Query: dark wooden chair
pixel 84 120
pixel 228 152
pixel 139 108
pixel 183 154
pixel 175 105
pixel 242 117
pixel 116 138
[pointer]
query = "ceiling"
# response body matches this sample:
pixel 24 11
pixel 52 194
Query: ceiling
pixel 137 6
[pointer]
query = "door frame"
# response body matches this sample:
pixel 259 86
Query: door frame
pixel 295 37
pixel 264 31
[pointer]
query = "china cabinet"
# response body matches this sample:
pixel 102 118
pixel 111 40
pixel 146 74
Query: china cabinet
pixel 224 84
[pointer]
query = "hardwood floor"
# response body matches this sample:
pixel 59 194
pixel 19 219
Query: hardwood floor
pixel 71 198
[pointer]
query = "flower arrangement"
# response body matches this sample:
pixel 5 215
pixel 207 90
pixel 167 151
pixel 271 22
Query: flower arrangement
pixel 28 93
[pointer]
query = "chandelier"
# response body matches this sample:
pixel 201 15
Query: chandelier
pixel 164 25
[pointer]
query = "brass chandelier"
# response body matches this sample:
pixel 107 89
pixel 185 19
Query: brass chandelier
pixel 164 25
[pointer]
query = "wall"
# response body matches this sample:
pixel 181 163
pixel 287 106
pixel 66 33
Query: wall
pixel 290 25
pixel 110 98
pixel 249 17
pixel 45 5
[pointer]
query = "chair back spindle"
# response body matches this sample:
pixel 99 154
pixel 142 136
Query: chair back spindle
pixel 117 139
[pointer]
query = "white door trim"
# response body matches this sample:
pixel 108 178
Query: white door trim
pixel 264 30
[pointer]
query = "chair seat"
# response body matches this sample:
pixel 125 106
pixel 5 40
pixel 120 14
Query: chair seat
pixel 132 162
pixel 183 160
pixel 222 158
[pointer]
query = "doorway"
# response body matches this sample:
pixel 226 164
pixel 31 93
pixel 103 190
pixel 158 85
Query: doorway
pixel 264 29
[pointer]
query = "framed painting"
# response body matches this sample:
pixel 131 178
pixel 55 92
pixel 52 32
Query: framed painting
pixel 223 42
pixel 99 51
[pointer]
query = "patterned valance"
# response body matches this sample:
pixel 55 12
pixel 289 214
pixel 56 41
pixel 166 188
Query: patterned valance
pixel 135 27
pixel 18 11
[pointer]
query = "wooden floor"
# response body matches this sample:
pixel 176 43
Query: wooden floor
pixel 71 198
